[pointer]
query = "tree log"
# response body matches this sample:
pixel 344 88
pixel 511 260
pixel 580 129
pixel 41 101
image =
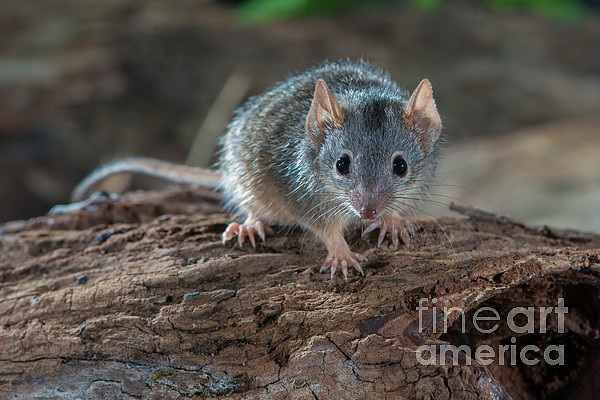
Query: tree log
pixel 136 297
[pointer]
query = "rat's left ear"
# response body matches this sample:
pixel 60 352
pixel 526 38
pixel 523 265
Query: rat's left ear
pixel 421 116
pixel 325 114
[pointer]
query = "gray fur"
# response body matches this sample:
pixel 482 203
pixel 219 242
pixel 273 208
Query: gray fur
pixel 271 169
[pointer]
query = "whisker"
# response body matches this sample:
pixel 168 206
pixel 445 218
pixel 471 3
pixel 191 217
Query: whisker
pixel 451 198
pixel 441 184
pixel 423 200
pixel 436 222
pixel 427 235
pixel 334 213
pixel 310 223
pixel 441 203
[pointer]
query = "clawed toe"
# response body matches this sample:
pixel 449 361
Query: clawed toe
pixel 399 228
pixel 246 230
pixel 342 262
pixel 230 232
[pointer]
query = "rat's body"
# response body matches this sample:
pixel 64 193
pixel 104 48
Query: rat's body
pixel 322 150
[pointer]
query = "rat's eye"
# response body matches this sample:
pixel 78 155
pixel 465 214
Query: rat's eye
pixel 400 166
pixel 343 164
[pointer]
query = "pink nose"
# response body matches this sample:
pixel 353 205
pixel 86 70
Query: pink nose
pixel 368 213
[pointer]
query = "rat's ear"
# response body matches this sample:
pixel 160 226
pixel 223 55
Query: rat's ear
pixel 421 116
pixel 325 114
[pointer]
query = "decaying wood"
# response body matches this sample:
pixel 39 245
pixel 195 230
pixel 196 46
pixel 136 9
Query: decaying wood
pixel 137 298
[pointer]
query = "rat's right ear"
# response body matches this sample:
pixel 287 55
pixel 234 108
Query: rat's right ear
pixel 325 114
pixel 421 116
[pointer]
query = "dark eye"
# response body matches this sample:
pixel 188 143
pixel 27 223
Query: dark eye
pixel 400 166
pixel 343 164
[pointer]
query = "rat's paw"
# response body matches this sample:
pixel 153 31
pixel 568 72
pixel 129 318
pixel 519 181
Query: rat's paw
pixel 341 259
pixel 247 229
pixel 396 226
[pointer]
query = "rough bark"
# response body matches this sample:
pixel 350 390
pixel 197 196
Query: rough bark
pixel 137 298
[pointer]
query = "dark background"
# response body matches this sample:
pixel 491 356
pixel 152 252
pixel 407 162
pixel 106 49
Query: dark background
pixel 518 90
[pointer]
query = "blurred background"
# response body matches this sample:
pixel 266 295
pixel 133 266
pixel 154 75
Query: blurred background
pixel 517 83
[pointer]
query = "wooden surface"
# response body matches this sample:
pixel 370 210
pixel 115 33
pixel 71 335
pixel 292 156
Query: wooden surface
pixel 137 298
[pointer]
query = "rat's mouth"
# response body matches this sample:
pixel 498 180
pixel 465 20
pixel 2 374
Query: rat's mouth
pixel 368 205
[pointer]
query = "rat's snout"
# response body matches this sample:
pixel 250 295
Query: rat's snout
pixel 367 203
pixel 368 213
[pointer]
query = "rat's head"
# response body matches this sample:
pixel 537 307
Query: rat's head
pixel 376 152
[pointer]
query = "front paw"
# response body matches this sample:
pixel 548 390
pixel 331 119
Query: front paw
pixel 341 260
pixel 248 229
pixel 397 227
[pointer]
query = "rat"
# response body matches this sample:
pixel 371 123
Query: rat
pixel 334 146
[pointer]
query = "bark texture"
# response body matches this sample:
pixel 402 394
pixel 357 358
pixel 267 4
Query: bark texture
pixel 137 298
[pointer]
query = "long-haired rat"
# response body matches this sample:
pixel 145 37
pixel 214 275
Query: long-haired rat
pixel 336 145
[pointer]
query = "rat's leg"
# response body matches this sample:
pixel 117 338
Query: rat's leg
pixel 340 255
pixel 396 226
pixel 252 226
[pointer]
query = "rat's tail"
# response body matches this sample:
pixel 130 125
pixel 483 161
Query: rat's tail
pixel 147 166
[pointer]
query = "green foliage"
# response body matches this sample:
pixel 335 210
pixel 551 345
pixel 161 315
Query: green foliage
pixel 263 11
pixel 425 6
pixel 562 10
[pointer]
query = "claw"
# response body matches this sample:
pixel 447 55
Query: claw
pixel 334 265
pixel 373 226
pixel 399 228
pixel 345 269
pixel 260 230
pixel 342 261
pixel 248 229
pixel 340 256
pixel 362 258
pixel 324 266
pixel 230 232
pixel 252 240
pixel 241 234
pixel 406 237
pixel 395 237
pixel 359 269
pixel 381 234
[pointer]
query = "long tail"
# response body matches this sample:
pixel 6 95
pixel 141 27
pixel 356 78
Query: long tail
pixel 147 166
